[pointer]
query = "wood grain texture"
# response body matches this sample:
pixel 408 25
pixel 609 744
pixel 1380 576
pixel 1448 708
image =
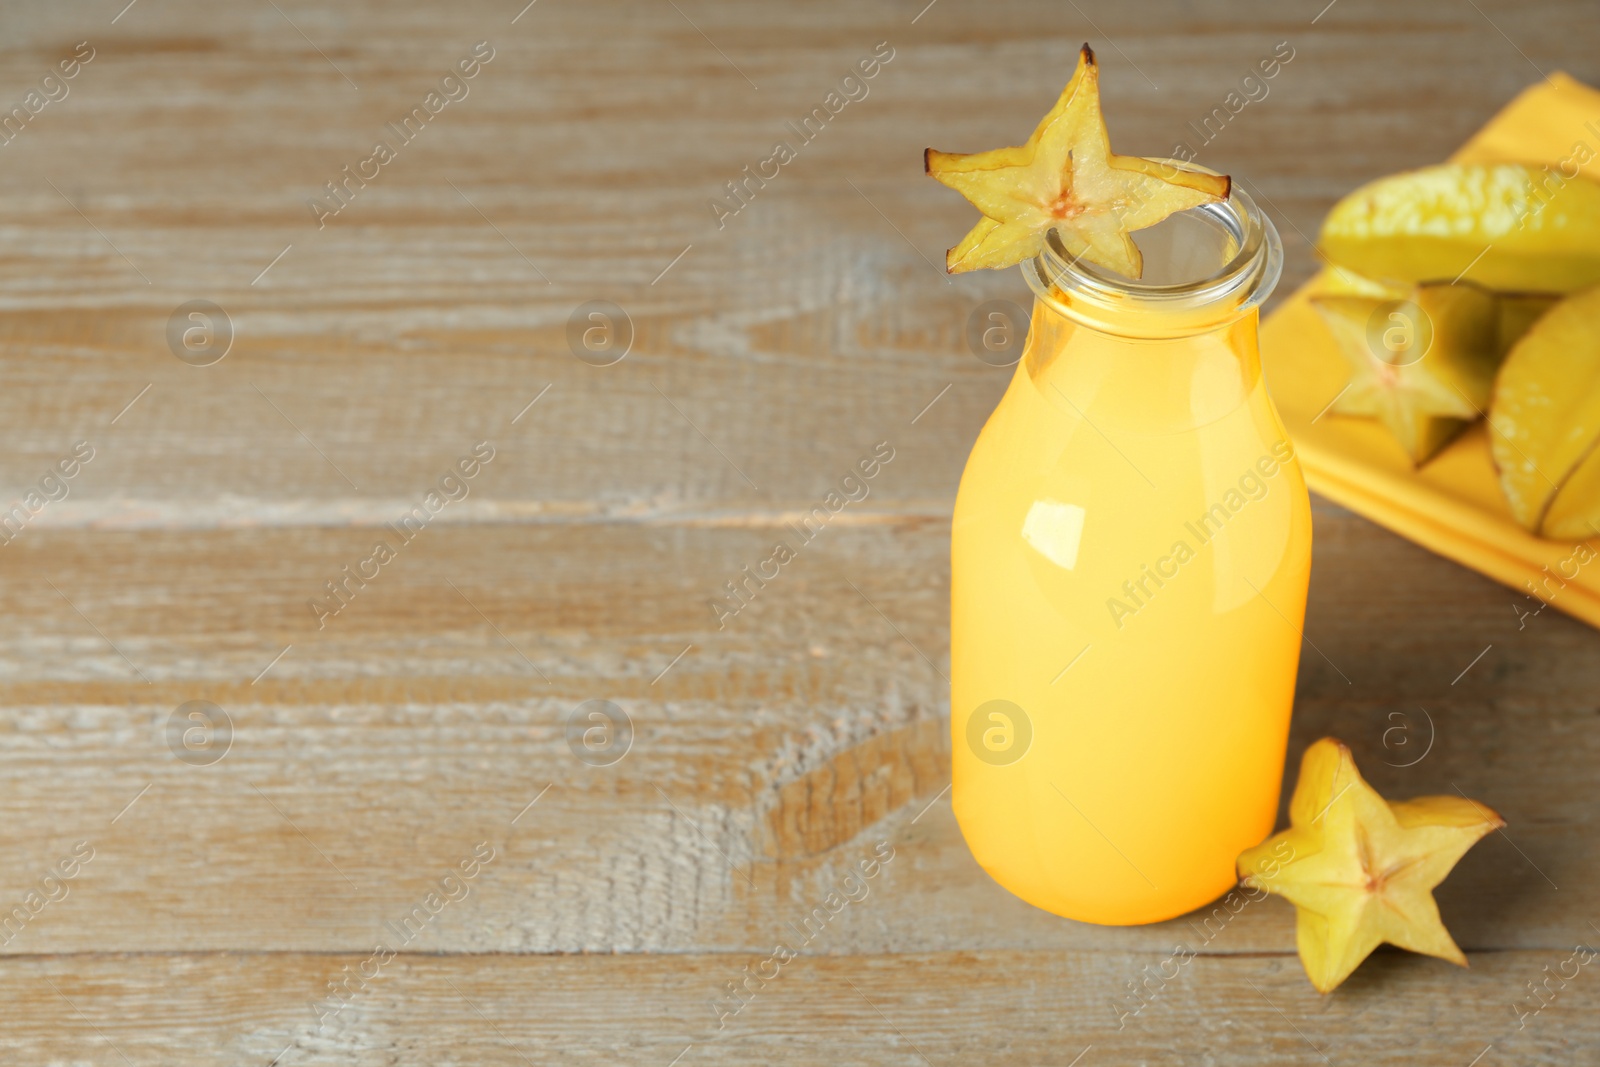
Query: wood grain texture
pixel 1002 1007
pixel 771 754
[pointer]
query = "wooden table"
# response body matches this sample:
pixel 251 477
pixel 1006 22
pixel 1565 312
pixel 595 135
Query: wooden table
pixel 243 862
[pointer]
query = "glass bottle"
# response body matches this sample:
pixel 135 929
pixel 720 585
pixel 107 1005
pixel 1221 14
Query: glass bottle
pixel 1130 553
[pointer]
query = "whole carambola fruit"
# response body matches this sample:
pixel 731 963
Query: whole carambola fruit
pixel 1507 227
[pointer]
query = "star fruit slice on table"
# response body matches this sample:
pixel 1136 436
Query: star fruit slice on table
pixel 1065 177
pixel 1360 870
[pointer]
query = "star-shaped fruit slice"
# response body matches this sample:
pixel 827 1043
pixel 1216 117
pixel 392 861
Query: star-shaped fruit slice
pixel 1066 178
pixel 1360 870
pixel 1422 359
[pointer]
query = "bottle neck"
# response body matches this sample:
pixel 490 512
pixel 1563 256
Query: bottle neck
pixel 1167 352
pixel 1145 386
pixel 1204 269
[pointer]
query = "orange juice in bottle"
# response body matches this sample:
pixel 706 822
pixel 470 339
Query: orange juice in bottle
pixel 1130 553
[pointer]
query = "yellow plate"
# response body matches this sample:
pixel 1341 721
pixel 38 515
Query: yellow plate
pixel 1453 505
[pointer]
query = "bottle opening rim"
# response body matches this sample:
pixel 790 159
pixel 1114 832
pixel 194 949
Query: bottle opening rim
pixel 1108 300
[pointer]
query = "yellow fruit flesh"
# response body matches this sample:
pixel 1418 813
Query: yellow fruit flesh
pixel 1574 512
pixel 1506 227
pixel 1361 870
pixel 1422 365
pixel 1545 419
pixel 1066 178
